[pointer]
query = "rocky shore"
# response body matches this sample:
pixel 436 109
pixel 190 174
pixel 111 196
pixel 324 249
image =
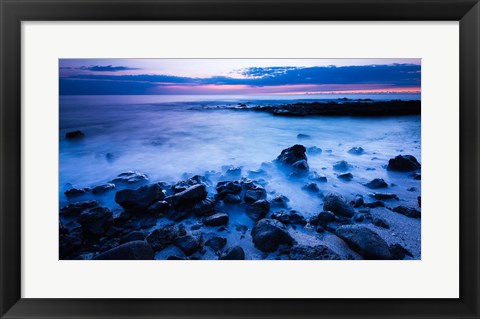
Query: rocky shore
pixel 361 108
pixel 234 214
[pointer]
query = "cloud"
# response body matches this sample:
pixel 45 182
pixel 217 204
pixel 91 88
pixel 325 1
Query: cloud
pixel 381 76
pixel 106 68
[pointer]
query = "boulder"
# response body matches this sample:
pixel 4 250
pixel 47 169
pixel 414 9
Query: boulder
pixel 140 199
pixel 218 219
pixel 279 201
pixel 130 177
pixel 384 196
pixel 164 236
pixel 74 135
pixel 134 250
pixel 204 207
pixel 345 176
pixel 342 166
pixel 289 217
pixel 191 195
pixel 96 220
pixel 233 253
pixel 160 207
pixel 189 244
pixel 337 204
pixel 364 241
pixel 102 189
pixel 318 252
pixel 292 155
pixel 359 201
pixel 228 187
pixel 216 243
pixel 252 195
pixel 326 216
pixel 232 199
pixel 258 209
pixel 403 163
pixel 311 187
pixel 269 234
pixel 407 211
pixel 374 204
pixel 356 151
pixel 301 165
pixel 75 192
pixel 376 183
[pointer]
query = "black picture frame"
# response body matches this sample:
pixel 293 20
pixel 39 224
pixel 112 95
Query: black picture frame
pixel 13 12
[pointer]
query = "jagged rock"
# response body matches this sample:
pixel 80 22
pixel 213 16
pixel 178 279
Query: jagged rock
pixel 337 204
pixel 95 220
pixel 134 250
pixel 318 252
pixel 403 163
pixel 292 155
pixel 269 234
pixel 364 241
pixel 164 236
pixel 228 187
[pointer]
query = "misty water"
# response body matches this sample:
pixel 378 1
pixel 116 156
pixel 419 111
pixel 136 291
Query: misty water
pixel 162 137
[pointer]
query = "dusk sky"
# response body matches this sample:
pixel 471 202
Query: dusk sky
pixel 238 76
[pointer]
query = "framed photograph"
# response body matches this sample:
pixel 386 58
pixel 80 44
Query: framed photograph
pixel 239 159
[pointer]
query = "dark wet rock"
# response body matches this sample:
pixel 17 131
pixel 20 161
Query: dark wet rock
pixel 384 196
pixel 135 235
pixel 399 252
pixel 139 199
pixel 190 196
pixel 314 176
pixel 374 204
pixel 102 189
pixel 258 209
pixel 358 218
pixel 337 204
pixel 303 136
pixel 95 220
pixel 279 201
pixel 417 176
pixel 380 222
pixel 419 200
pixel 232 199
pixel 356 151
pixel 70 242
pixel 333 225
pixel 318 252
pixel 218 219
pixel 241 228
pixel 376 183
pixel 252 195
pixel 403 163
pixel 342 166
pixel 319 229
pixel 269 234
pixel 412 189
pixel 189 244
pixel 180 214
pixel 301 165
pixel 233 253
pixel 134 250
pixel 364 241
pixel 292 154
pixel 130 177
pixel 311 187
pixel 313 150
pixel 345 176
pixel 74 209
pixel 74 135
pixel 216 243
pixel 291 217
pixel 160 207
pixel 359 201
pixel 203 208
pixel 326 216
pixel 75 192
pixel 228 187
pixel 407 211
pixel 164 236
